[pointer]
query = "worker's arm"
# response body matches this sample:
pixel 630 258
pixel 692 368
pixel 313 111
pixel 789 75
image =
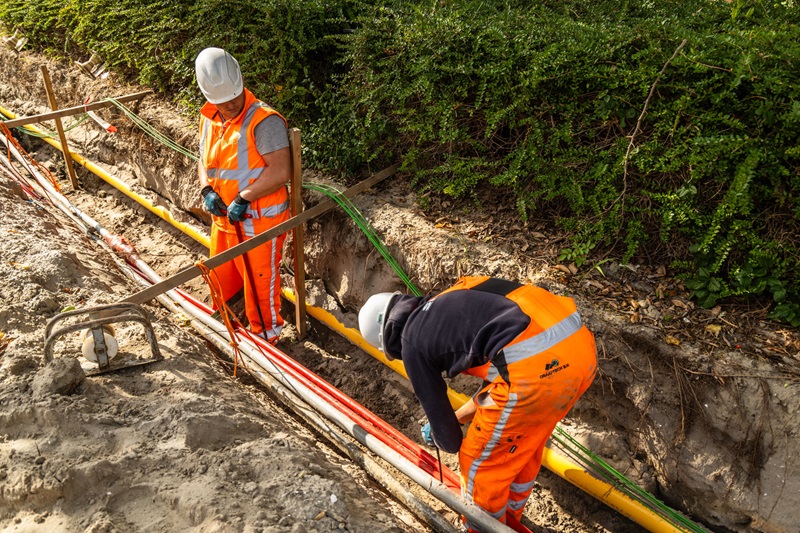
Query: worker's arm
pixel 201 174
pixel 273 177
pixel 431 390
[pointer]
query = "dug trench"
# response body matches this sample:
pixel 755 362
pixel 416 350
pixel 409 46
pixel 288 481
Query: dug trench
pixel 705 418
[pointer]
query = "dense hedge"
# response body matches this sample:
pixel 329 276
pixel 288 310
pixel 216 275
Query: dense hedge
pixel 541 100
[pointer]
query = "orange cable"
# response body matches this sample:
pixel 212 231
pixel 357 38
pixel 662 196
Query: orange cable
pixel 225 312
pixel 11 140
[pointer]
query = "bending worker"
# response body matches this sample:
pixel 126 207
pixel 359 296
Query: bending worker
pixel 536 359
pixel 244 165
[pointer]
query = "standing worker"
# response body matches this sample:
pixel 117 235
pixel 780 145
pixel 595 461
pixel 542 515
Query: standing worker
pixel 531 349
pixel 245 163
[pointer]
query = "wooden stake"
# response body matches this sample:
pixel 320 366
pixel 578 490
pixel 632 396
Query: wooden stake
pixel 60 128
pixel 299 236
pixel 77 110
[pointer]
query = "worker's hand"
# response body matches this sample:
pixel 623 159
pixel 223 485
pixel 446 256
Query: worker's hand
pixel 426 435
pixel 212 201
pixel 237 211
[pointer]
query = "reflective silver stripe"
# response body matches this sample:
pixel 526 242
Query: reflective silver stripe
pixel 203 135
pixel 248 227
pixel 274 267
pixel 522 487
pixel 242 176
pixel 544 340
pixel 242 152
pixel 516 505
pixel 269 211
pixel 492 373
pixel 274 332
pixel 496 434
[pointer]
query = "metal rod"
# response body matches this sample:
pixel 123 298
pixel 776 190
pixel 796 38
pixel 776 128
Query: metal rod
pixel 73 178
pixel 71 111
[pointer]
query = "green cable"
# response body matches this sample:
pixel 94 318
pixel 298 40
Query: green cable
pixel 49 134
pixel 366 228
pixel 154 133
pixel 603 470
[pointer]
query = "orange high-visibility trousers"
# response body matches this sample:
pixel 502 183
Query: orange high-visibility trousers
pixel 265 265
pixel 502 452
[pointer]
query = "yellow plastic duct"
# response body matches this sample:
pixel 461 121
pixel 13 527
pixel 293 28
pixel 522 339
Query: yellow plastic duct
pixel 123 187
pixel 553 461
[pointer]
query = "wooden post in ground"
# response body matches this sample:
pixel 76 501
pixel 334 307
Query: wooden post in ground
pixel 60 128
pixel 299 234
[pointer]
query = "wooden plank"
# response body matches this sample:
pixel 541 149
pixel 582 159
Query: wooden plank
pixel 73 178
pixel 193 271
pixel 71 111
pixel 299 236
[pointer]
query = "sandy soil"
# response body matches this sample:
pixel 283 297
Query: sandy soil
pixel 180 444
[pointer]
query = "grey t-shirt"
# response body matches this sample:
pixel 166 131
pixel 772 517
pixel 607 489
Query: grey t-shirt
pixel 271 135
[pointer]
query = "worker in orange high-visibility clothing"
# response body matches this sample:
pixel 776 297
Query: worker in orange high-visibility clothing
pixel 531 349
pixel 244 165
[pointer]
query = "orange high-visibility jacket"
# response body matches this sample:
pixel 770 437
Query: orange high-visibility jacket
pixel 232 162
pixel 553 319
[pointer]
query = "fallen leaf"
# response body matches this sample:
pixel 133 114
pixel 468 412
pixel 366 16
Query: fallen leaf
pixel 636 317
pixel 538 235
pixel 678 302
pixel 563 269
pixel 573 269
pixel 672 341
pixel 320 515
pixel 714 329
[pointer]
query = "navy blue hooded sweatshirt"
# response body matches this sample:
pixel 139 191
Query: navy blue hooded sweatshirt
pixel 448 334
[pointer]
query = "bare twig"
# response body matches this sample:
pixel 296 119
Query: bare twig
pixel 639 125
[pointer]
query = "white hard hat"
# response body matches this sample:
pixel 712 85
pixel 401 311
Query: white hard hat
pixel 218 75
pixel 372 317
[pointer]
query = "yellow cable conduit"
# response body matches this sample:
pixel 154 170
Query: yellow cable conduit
pixel 553 461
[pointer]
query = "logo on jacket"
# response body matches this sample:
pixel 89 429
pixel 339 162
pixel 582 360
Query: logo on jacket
pixel 552 367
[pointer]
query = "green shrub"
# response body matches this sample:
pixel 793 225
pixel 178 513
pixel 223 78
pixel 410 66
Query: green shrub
pixel 541 100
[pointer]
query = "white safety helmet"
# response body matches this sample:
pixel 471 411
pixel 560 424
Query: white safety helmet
pixel 372 317
pixel 218 75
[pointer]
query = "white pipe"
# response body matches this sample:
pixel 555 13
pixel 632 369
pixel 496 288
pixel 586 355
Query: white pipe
pixel 380 474
pixel 475 514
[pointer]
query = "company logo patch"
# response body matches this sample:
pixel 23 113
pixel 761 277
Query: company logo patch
pixel 551 368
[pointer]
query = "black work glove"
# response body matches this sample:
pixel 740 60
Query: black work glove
pixel 237 211
pixel 212 201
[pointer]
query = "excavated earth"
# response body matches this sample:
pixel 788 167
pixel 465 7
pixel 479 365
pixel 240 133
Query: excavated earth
pixel 699 407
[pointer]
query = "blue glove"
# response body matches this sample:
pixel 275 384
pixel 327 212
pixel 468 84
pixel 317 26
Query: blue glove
pixel 212 201
pixel 237 211
pixel 426 435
